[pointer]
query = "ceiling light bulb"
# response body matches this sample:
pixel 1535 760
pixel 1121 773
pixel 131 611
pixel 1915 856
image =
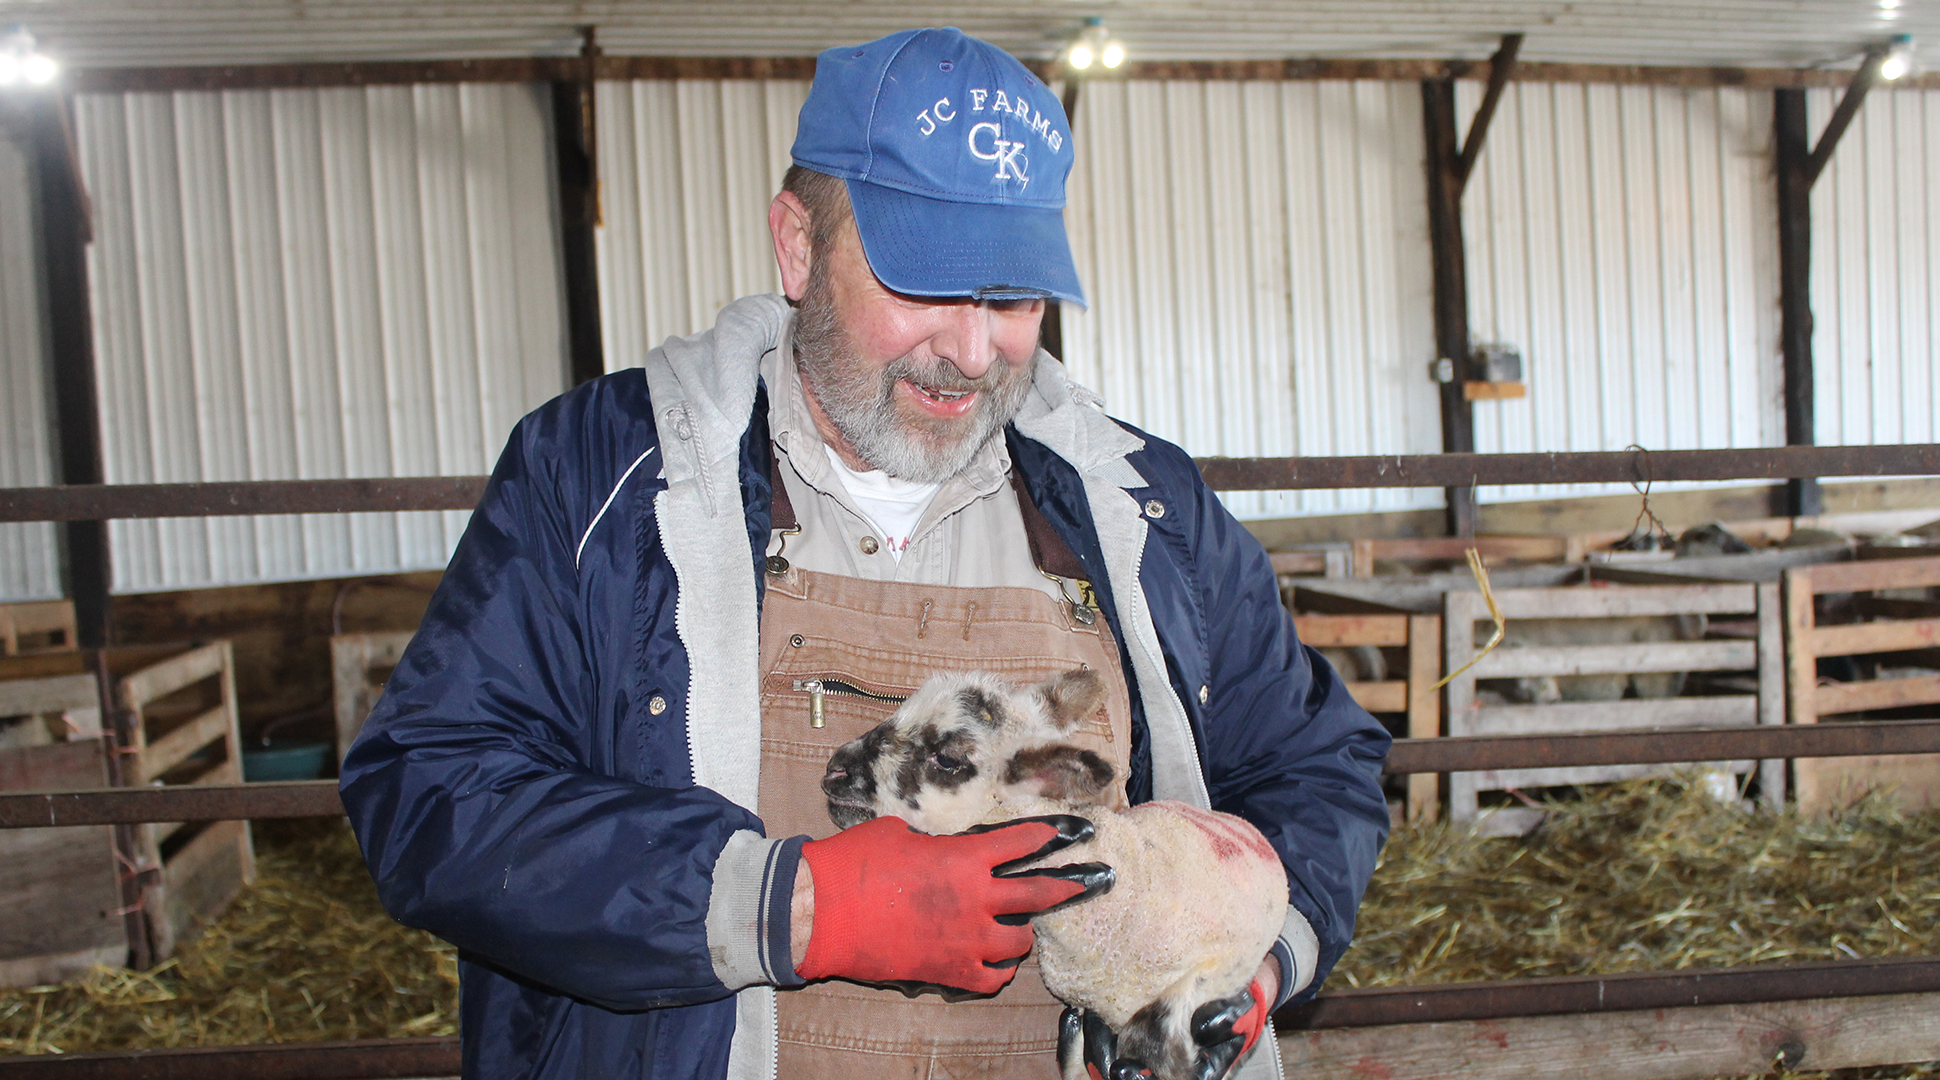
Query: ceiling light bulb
pixel 1080 57
pixel 1899 58
pixel 39 69
pixel 10 72
pixel 1114 55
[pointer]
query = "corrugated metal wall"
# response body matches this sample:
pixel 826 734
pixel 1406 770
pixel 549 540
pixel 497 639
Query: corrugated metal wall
pixel 29 559
pixel 687 169
pixel 1255 255
pixel 1623 239
pixel 1876 272
pixel 303 284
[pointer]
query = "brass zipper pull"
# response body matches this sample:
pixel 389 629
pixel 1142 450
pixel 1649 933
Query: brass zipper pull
pixel 816 694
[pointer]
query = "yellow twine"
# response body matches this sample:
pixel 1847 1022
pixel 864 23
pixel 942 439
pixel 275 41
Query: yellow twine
pixel 1495 612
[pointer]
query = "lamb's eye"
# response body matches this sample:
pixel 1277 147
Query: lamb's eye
pixel 949 763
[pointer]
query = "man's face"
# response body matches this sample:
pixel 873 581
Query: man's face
pixel 913 385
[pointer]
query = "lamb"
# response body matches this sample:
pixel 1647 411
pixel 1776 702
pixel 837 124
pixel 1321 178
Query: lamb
pixel 1199 897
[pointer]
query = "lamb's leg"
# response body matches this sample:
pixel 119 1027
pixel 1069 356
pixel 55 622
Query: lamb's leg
pixel 1071 1045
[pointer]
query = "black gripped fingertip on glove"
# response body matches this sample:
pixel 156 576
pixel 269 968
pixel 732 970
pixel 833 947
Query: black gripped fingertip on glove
pixel 1097 879
pixel 1215 1061
pixel 1212 1023
pixel 1068 829
pixel 911 988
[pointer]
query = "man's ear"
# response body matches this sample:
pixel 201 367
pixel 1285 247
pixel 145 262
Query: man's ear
pixel 788 223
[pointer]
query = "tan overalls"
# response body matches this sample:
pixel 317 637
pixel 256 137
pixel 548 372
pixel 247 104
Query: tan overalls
pixel 823 634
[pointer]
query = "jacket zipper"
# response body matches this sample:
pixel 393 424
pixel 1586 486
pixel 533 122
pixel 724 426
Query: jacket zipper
pixel 818 690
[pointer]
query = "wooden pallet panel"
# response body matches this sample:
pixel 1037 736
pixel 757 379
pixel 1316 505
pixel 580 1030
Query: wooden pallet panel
pixel 188 883
pixel 1420 635
pixel 1645 656
pixel 1871 637
pixel 1575 717
pixel 1762 652
pixel 37 626
pixel 1661 1044
pixel 1380 696
pixel 1492 549
pixel 1612 602
pixel 1823 784
pixel 1424 711
pixel 1872 576
pixel 1828 700
pixel 197 883
pixel 1913 780
pixel 57 886
pixel 354 661
pixel 59 693
pixel 1325 631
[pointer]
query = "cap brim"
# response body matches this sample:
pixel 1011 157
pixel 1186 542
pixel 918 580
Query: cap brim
pixel 933 247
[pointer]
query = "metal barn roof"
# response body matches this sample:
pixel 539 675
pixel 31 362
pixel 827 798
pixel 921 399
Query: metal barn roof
pixel 1731 33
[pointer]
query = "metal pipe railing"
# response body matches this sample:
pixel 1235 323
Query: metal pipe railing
pixel 98 502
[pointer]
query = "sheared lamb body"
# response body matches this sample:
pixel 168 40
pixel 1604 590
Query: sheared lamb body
pixel 1199 897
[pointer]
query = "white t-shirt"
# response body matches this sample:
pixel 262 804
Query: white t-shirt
pixel 894 506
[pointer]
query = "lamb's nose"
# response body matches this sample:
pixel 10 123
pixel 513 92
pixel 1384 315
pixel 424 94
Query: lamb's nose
pixel 834 778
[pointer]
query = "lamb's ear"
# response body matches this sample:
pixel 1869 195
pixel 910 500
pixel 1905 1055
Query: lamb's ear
pixel 1071 697
pixel 1060 773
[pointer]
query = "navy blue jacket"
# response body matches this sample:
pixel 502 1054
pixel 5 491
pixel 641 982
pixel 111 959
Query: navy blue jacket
pixel 524 788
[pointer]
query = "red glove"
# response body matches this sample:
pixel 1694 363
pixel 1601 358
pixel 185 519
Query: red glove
pixel 1216 1023
pixel 948 913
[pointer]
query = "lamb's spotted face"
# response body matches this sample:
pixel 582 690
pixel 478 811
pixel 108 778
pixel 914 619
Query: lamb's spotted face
pixel 959 745
pixel 930 763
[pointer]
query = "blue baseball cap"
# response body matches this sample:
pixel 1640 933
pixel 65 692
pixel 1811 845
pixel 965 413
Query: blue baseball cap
pixel 955 157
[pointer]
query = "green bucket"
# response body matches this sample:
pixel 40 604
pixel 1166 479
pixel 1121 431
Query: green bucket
pixel 285 761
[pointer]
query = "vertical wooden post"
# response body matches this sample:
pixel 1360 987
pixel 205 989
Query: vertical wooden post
pixel 1451 287
pixel 1798 166
pixel 1794 153
pixel 1771 689
pixel 576 159
pixel 1424 710
pixel 66 230
pixel 1802 682
pixel 1449 162
pixel 1460 610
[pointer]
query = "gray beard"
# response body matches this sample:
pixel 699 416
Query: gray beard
pixel 862 404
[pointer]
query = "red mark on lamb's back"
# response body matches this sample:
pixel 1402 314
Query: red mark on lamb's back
pixel 1230 837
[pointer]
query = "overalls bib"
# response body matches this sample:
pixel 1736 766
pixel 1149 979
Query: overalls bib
pixel 841 650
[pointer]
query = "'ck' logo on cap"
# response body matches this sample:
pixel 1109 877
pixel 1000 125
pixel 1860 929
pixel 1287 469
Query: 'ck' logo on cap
pixel 1008 155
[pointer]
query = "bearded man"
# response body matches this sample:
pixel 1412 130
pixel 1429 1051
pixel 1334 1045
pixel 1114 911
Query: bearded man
pixel 597 770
